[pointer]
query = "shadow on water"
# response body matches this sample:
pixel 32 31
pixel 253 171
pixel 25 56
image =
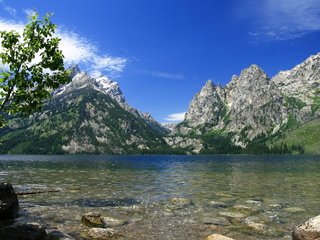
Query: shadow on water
pixel 90 202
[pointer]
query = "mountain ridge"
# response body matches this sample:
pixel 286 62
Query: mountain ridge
pixel 252 105
pixel 252 113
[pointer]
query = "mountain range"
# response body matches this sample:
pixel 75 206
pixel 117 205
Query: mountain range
pixel 251 114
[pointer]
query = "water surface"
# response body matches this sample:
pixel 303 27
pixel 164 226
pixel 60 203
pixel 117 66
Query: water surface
pixel 282 191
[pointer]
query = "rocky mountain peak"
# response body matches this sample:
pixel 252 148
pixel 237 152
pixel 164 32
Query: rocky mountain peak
pixel 207 89
pixel 81 79
pixel 205 106
pixel 302 81
pixel 209 84
pixel 253 72
pixel 111 88
pixel 74 70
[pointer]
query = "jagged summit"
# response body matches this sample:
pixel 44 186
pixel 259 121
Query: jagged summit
pixel 303 81
pixel 209 84
pixel 74 70
pixel 81 79
pixel 111 88
pixel 251 105
pixel 253 72
pixel 205 106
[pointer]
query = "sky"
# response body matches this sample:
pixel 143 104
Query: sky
pixel 162 52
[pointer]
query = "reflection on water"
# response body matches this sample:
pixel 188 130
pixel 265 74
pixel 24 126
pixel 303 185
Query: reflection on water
pixel 278 191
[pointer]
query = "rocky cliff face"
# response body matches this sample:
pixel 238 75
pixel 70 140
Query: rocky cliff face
pixel 206 107
pixel 88 115
pixel 255 106
pixel 302 81
pixel 301 89
pixel 252 105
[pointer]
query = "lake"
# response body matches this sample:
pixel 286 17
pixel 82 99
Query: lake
pixel 227 194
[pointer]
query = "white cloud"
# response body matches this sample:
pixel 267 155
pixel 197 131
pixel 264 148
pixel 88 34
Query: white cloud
pixel 283 19
pixel 11 10
pixel 6 25
pixel 175 117
pixel 78 50
pixel 161 74
pixel 29 12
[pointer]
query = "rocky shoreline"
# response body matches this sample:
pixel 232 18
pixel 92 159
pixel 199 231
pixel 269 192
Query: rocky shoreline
pixel 99 226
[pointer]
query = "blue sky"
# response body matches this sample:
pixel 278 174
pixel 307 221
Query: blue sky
pixel 162 52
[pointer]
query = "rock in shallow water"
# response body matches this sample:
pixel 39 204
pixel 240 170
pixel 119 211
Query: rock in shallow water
pixel 246 209
pixel 92 219
pixel 218 204
pixel 232 215
pixel 112 222
pixel 9 205
pixel 179 203
pixel 99 234
pixel 219 221
pixel 251 201
pixel 310 230
pixel 256 227
pixel 57 235
pixel 218 237
pixel 31 231
pixel 294 210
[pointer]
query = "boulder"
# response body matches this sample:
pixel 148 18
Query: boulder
pixel 99 234
pixel 30 231
pixel 92 219
pixel 310 230
pixel 218 237
pixel 9 205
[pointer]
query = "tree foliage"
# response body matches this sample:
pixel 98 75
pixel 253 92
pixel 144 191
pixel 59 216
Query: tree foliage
pixel 31 67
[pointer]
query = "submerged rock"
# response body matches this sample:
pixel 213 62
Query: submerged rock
pixel 294 210
pixel 256 227
pixel 99 234
pixel 218 204
pixel 179 203
pixel 219 221
pixel 31 231
pixel 92 219
pixel 218 237
pixel 112 222
pixel 57 235
pixel 232 215
pixel 310 230
pixel 246 209
pixel 251 201
pixel 9 205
